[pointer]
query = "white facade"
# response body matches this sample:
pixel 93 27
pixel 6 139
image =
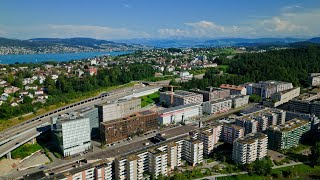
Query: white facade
pixel 179 114
pixel 72 134
pixel 248 149
pixel 193 151
pixel 217 106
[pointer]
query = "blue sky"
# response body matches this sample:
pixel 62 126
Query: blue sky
pixel 126 19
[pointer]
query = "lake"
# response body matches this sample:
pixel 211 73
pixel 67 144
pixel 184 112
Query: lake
pixel 58 57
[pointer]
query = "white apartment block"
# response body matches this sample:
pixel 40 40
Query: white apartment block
pixel 210 137
pixel 282 97
pixel 232 132
pixel 193 151
pixel 104 171
pixel 217 106
pixel 128 168
pixel 71 133
pixel 247 149
pixel 158 161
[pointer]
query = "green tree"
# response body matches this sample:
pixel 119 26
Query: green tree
pixel 315 154
pixel 255 98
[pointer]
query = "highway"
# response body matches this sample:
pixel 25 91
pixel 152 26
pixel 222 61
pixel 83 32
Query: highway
pixel 21 133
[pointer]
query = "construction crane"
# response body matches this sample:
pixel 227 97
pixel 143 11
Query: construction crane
pixel 171 91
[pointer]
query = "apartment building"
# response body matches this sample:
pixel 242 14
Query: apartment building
pixel 118 109
pixel 180 97
pixel 127 167
pixel 313 119
pixel 249 148
pixel 179 114
pixel 232 132
pixel 137 123
pixel 212 93
pixel 306 103
pixel 158 161
pixel 217 106
pixel 249 124
pixel 287 135
pixel 71 133
pixel 235 90
pixel 282 97
pixel 210 137
pixel 239 100
pixel 192 151
pixel 99 170
pixel 314 79
pixel 266 88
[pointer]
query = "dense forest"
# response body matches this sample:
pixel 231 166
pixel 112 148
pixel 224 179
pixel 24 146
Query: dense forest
pixel 67 88
pixel 292 65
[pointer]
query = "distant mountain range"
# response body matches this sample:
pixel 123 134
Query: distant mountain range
pixel 186 43
pixel 57 45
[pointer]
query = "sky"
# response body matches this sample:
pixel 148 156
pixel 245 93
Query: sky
pixel 128 19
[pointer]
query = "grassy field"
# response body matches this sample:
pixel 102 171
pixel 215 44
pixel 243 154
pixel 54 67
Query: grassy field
pixel 301 171
pixel 4 124
pixel 151 98
pixel 25 150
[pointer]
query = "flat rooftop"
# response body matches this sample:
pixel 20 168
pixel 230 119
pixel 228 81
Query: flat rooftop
pixel 251 138
pixel 176 108
pixel 290 125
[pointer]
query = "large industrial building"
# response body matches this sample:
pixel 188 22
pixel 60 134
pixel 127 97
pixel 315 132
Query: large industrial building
pixel 179 98
pixel 135 124
pixel 250 148
pixel 287 135
pixel 179 114
pixel 71 133
pixel 118 109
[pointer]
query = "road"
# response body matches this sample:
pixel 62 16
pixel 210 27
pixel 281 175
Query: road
pixel 244 172
pixel 19 134
pixel 122 148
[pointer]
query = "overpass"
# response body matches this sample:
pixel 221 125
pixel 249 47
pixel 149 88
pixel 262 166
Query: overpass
pixel 16 136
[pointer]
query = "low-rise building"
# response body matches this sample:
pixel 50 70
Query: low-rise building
pixel 179 114
pixel 250 148
pixel 239 100
pixel 179 98
pixel 119 129
pixel 217 106
pixel 235 90
pixel 118 109
pixel 212 93
pixel 287 135
pixel 314 79
pixel 282 97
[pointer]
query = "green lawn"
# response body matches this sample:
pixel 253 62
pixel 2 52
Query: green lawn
pixel 25 150
pixel 301 171
pixel 151 98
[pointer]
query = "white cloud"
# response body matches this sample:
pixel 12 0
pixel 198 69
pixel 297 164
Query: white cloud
pixel 290 8
pixel 173 32
pixel 206 25
pixel 280 25
pixel 2 33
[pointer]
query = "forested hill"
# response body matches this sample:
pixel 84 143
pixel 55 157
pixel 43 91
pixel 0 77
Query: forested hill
pixel 57 45
pixel 292 65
